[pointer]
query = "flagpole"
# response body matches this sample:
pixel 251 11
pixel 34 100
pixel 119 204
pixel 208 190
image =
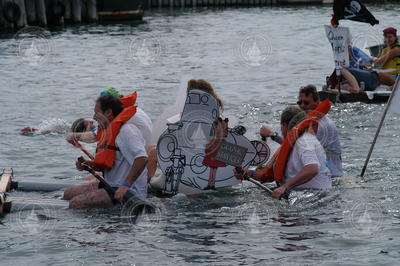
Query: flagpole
pixel 380 126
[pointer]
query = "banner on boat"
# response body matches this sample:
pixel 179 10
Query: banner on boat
pixel 339 38
pixel 188 149
pixel 352 10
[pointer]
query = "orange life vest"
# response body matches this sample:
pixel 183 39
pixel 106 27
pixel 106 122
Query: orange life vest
pixel 281 156
pixel 129 100
pixel 106 148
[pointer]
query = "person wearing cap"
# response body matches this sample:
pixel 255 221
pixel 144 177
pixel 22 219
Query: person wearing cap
pixel 89 136
pixel 390 55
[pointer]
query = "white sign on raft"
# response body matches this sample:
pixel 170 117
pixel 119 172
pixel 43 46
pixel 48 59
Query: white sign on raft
pixel 339 38
pixel 187 150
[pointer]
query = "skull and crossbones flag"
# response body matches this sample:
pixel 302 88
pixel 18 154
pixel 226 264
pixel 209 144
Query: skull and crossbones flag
pixel 353 10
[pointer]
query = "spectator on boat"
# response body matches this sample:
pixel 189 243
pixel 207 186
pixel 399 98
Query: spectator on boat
pixel 123 165
pixel 327 133
pixel 306 165
pixel 390 55
pixel 359 72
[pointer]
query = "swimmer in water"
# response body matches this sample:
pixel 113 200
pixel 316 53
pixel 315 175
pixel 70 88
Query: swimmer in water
pixel 54 125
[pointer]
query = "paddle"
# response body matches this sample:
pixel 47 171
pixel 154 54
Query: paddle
pixel 129 196
pixel 252 180
pixel 87 153
pixel 78 145
pixel 234 155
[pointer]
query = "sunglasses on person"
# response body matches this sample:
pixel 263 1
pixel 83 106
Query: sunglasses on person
pixel 300 102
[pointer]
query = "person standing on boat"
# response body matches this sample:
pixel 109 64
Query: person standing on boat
pixel 121 155
pixel 390 55
pixel 304 165
pixel 327 133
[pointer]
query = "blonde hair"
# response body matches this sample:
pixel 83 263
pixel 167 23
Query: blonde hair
pixel 203 85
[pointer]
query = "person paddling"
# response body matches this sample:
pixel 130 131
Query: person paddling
pixel 121 155
pixel 299 163
pixel 327 133
pixel 390 55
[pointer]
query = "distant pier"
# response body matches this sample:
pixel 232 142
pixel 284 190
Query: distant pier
pixel 241 3
pixel 17 14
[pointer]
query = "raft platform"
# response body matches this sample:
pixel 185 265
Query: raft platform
pixel 370 97
pixel 8 184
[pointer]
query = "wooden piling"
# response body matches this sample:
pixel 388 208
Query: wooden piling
pixel 8 26
pixel 41 16
pixel 68 11
pixel 55 11
pixel 30 12
pixel 76 11
pixel 21 22
pixel 2 20
pixel 91 6
pixel 83 10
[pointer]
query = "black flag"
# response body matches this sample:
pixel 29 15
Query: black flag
pixel 353 10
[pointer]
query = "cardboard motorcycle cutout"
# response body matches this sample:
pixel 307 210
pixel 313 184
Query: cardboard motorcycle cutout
pixel 193 152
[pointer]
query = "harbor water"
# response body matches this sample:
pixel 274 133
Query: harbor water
pixel 257 58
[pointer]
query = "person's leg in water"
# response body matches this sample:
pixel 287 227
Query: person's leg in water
pixel 211 178
pixel 74 191
pixel 89 177
pixel 93 199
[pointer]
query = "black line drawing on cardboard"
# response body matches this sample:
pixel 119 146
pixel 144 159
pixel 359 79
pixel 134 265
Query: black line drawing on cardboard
pixel 186 150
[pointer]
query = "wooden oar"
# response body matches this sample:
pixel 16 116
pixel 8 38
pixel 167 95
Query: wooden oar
pixel 252 180
pixel 78 145
pixel 87 153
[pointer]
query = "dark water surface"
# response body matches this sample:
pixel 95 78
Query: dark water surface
pixel 356 224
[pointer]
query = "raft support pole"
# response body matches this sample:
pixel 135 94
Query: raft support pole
pixel 23 204
pixel 35 186
pixel 380 126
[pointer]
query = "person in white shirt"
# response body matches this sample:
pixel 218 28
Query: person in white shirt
pixel 306 166
pixel 327 133
pixel 129 168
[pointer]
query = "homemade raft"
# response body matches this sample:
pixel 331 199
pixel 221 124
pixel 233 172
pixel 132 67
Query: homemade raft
pixel 347 97
pixel 188 150
pixel 8 184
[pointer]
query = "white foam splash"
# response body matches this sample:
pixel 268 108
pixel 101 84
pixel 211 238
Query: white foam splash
pixel 53 125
